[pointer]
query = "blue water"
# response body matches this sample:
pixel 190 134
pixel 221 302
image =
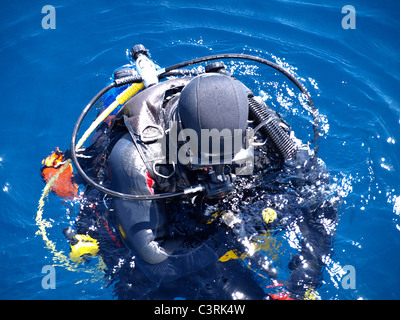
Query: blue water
pixel 48 76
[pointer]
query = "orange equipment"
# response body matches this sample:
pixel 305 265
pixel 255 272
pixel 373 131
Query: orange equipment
pixel 64 187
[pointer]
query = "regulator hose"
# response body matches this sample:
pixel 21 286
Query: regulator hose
pixel 271 128
pixel 99 187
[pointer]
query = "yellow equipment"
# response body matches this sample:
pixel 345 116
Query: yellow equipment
pixel 269 215
pixel 84 245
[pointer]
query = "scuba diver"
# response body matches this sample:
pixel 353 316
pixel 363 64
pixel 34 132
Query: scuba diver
pixel 188 180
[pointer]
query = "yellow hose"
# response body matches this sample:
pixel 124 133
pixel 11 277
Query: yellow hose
pixel 43 224
pixel 59 256
pixel 120 100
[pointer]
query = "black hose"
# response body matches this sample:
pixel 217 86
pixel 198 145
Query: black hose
pixel 175 73
pixel 271 129
pixel 87 178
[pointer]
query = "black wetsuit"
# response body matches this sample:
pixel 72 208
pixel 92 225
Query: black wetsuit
pixel 177 244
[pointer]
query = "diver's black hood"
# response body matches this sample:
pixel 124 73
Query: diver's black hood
pixel 215 101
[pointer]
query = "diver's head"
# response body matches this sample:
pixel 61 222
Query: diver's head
pixel 213 109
